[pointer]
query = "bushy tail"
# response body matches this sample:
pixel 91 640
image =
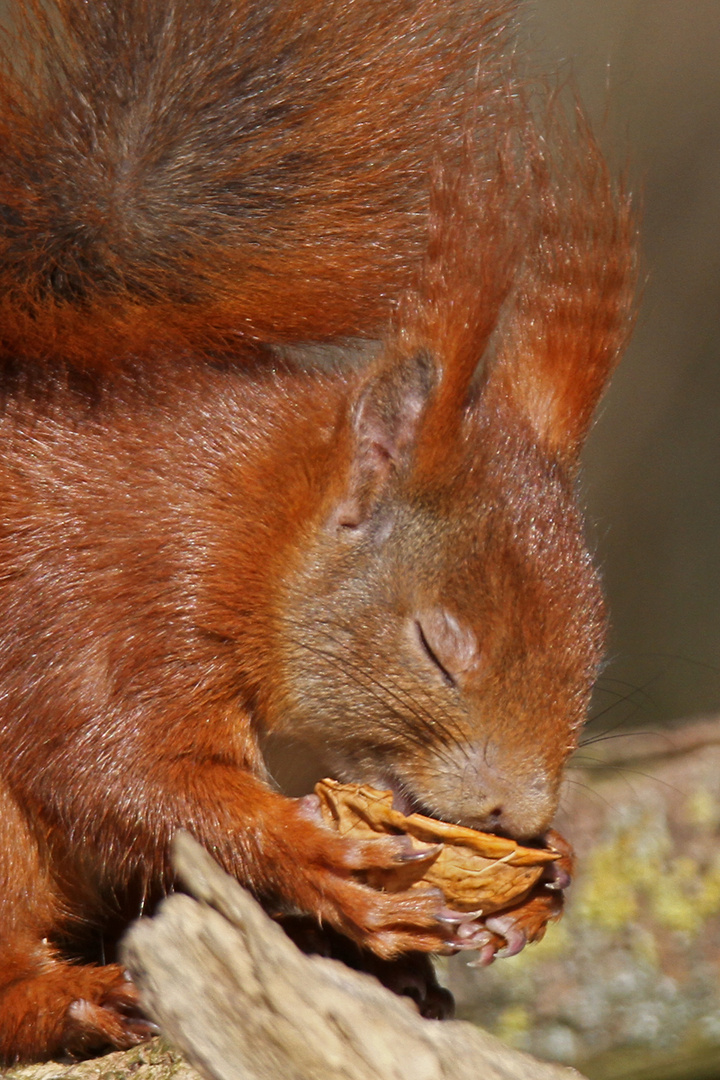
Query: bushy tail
pixel 205 174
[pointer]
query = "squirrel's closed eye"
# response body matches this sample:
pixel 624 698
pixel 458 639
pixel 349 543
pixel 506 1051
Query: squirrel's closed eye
pixel 448 643
pixel 432 655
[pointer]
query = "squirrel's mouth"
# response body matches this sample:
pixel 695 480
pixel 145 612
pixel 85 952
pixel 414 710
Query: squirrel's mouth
pixel 404 799
pixel 407 803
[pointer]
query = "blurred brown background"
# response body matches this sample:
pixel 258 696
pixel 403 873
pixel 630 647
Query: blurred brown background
pixel 649 71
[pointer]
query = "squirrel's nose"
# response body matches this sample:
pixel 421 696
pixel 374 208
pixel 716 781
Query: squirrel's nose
pixel 516 817
pixel 483 789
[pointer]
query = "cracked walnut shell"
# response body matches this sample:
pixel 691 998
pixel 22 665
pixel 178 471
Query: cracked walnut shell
pixel 477 872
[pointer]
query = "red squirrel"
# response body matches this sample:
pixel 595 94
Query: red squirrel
pixel 213 535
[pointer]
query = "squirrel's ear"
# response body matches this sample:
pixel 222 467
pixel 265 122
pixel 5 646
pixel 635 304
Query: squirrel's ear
pixel 561 344
pixel 573 304
pixel 385 421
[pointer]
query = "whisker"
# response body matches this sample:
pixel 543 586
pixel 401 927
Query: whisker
pixel 588 789
pixel 430 722
pixel 635 689
pixel 436 706
pixel 608 736
pixel 624 772
pixel 368 684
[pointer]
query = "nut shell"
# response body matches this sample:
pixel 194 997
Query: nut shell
pixel 477 872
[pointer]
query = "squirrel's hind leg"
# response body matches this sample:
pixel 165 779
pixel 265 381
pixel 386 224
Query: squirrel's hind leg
pixel 49 1006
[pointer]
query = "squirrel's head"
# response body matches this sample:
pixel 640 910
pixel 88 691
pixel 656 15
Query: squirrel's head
pixel 445 625
pixel 443 630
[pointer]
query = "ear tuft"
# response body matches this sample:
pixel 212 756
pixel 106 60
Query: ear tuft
pixel 572 310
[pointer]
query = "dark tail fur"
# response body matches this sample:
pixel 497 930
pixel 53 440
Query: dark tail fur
pixel 188 174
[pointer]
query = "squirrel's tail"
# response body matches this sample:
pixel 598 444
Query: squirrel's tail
pixel 195 175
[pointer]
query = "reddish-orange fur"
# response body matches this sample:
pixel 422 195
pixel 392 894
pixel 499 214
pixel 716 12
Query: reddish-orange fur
pixel 290 152
pixel 211 539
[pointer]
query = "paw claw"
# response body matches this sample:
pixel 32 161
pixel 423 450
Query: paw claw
pixel 421 855
pixel 557 878
pixel 515 937
pixel 485 957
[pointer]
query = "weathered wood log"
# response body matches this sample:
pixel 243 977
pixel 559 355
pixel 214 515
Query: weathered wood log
pixel 229 988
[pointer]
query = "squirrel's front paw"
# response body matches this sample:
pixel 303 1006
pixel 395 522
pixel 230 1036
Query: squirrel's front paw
pixel 346 881
pixel 389 923
pixel 507 932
